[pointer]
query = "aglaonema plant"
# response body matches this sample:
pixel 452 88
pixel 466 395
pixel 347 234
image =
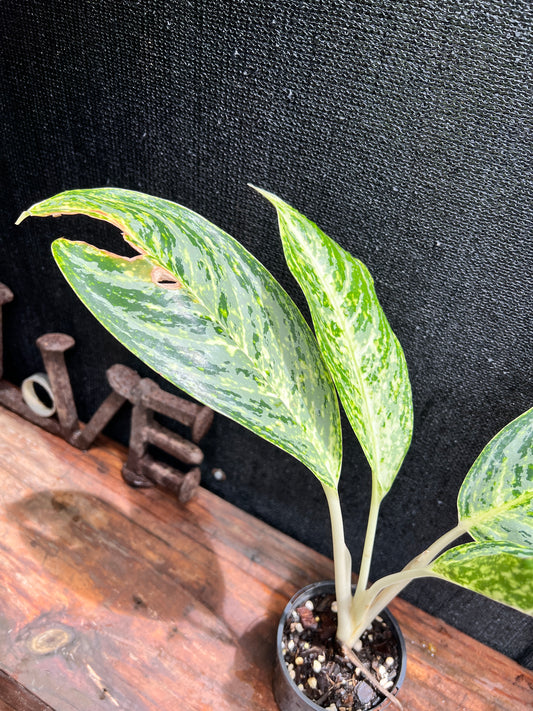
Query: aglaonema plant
pixel 199 309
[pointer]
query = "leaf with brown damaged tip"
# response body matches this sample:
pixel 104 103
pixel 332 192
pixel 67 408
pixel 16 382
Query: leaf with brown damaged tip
pixel 225 332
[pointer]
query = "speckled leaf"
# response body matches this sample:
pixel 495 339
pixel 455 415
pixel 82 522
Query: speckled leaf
pixel 501 571
pixel 226 332
pixel 496 498
pixel 363 354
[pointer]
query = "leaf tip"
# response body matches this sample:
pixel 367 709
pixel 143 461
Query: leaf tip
pixel 23 216
pixel 58 246
pixel 269 196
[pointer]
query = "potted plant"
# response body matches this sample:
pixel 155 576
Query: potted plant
pixel 203 312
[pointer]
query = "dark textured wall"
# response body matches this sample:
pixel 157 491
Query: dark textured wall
pixel 402 128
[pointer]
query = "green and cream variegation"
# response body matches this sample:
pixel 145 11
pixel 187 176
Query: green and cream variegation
pixel 495 505
pixel 499 570
pixel 496 497
pixel 226 333
pixel 363 354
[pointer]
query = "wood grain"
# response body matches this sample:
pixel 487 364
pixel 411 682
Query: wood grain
pixel 14 697
pixel 125 599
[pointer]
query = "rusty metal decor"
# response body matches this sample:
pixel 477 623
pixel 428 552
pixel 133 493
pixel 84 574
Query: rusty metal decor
pixel 146 398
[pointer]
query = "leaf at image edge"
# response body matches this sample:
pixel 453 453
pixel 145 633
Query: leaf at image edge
pixel 498 570
pixel 496 496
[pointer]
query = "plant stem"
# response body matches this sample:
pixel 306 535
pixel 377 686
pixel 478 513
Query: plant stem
pixel 438 546
pixel 343 565
pixel 364 572
pixel 402 578
pixel 387 588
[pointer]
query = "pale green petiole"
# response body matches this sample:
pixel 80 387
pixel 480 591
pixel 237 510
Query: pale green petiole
pixel 374 599
pixel 343 564
pixel 366 560
pixel 356 612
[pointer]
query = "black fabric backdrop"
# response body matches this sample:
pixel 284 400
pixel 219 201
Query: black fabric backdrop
pixel 402 128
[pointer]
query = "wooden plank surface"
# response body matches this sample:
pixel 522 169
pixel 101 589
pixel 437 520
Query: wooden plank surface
pixel 14 697
pixel 114 598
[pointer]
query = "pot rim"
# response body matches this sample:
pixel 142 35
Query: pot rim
pixel 304 594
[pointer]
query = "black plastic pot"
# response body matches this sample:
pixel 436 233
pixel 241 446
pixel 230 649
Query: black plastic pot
pixel 286 693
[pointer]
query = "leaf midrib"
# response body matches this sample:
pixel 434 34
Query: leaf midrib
pixel 236 341
pixel 473 521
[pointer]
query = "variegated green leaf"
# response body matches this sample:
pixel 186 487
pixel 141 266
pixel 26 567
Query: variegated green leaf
pixel 496 497
pixel 227 333
pixel 363 354
pixel 501 571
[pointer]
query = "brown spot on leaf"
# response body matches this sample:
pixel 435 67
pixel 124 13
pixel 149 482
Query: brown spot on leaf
pixel 164 278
